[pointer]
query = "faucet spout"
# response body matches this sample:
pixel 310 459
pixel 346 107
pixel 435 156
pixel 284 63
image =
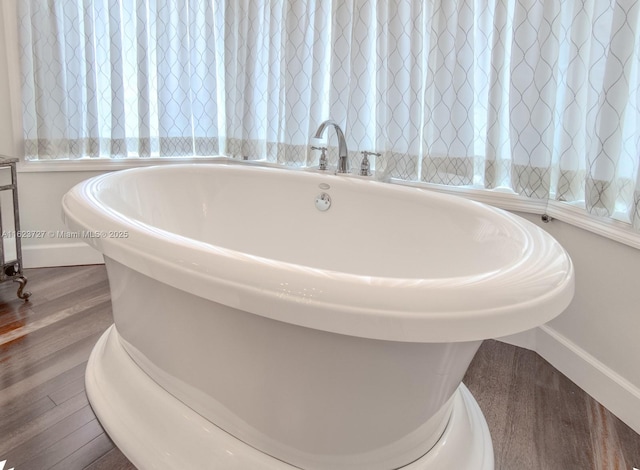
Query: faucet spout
pixel 343 153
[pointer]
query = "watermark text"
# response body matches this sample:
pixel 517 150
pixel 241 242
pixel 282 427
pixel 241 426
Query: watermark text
pixel 64 234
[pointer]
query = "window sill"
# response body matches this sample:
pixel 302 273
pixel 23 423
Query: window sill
pixel 565 212
pixel 569 213
pixel 108 164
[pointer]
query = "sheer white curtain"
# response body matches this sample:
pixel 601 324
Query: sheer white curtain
pixel 277 57
pixel 540 96
pixel 120 78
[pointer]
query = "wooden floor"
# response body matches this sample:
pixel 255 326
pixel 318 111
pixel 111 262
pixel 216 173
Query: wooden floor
pixel 537 417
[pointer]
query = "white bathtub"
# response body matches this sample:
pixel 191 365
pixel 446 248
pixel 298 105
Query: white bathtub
pixel 332 339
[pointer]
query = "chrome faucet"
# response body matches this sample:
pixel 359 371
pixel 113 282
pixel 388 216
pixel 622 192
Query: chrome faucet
pixel 343 153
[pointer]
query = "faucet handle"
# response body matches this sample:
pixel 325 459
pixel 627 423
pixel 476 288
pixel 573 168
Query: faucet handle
pixel 323 157
pixel 365 166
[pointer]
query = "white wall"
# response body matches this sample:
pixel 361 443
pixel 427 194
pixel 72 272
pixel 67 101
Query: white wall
pixel 607 300
pixel 594 342
pixel 40 195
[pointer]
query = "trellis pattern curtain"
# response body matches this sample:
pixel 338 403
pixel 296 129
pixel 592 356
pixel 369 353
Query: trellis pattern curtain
pixel 540 96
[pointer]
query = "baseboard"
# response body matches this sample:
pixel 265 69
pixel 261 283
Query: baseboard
pixel 614 392
pixel 59 254
pixel 609 388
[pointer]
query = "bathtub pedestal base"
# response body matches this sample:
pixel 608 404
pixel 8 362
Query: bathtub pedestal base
pixel 155 430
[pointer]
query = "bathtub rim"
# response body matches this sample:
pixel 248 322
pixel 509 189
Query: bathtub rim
pixel 484 314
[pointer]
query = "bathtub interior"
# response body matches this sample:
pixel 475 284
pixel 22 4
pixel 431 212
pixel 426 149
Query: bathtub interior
pixel 371 229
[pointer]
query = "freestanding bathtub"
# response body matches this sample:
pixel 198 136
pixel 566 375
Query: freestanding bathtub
pixel 279 319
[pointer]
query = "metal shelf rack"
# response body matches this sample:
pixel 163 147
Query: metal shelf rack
pixel 11 246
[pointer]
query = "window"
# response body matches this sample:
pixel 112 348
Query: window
pixel 538 96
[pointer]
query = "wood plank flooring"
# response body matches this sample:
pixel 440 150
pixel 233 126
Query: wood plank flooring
pixel 539 420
